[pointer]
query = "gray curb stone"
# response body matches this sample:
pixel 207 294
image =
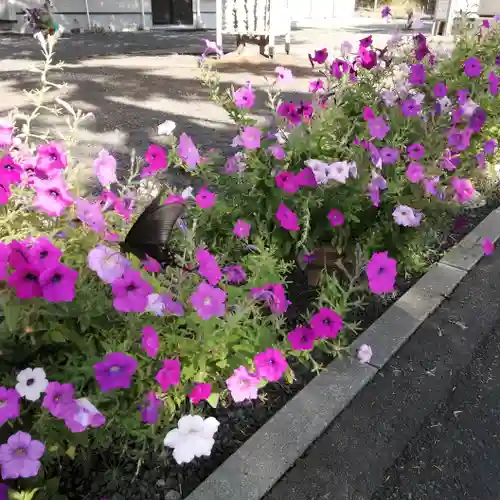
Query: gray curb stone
pixel 254 468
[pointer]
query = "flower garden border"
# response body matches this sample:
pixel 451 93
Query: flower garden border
pixel 250 472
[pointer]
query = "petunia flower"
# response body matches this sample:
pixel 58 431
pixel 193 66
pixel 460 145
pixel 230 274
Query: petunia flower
pixel 26 282
pixel 242 229
pixel 326 323
pixel 105 168
pixel 150 410
pixel 91 215
pixel 378 127
pixel 464 190
pixel 52 196
pixel 31 382
pixel 188 152
pixel 156 159
pixel 488 246
pixel 301 338
pixel 381 271
pixel 243 385
pixel 131 292
pixel 335 217
pixel 235 274
pixel 150 341
pixel 406 216
pixel 6 133
pixel 287 182
pixel 194 437
pixel 250 138
pixel 43 253
pixel 208 267
pixel 169 375
pixel 59 399
pixel 20 456
pixel 84 415
pixel 9 404
pixel 389 156
pixel 283 75
pixel 270 365
pixel 273 294
pixel 319 56
pixel 288 220
pixel 364 353
pixel 415 151
pixel 338 171
pixel 58 283
pixel 200 392
pixel 171 306
pixel 415 172
pixel 410 107
pixel 115 371
pixel 244 97
pixel 208 301
pixel 473 67
pixel 109 264
pixel 205 198
pixel 51 159
pixel 151 265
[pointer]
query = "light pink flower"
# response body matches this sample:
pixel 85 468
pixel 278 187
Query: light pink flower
pixel 243 385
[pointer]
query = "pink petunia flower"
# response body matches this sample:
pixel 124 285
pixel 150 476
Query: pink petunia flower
pixel 243 385
pixel 244 97
pixel 150 341
pixel 208 301
pixel 302 338
pixel 270 364
pixel 52 196
pixel 59 399
pixel 242 229
pixel 326 323
pixel 131 292
pixel 488 246
pixel 205 198
pixel 151 409
pixel 283 75
pixel 51 159
pixel 381 271
pixel 156 159
pixel 287 182
pixel 200 392
pixel 9 404
pixel 58 283
pixel 288 220
pixel 208 267
pixel 335 217
pixel 273 294
pixel 105 168
pixel 188 151
pixel 169 375
pixel 250 138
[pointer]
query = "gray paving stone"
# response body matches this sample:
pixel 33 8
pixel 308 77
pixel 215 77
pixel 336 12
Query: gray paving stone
pixel 250 472
pixel 389 332
pixel 467 253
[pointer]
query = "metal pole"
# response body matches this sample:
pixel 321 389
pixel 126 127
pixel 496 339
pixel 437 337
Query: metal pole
pixel 218 22
pixel 88 14
pixel 143 16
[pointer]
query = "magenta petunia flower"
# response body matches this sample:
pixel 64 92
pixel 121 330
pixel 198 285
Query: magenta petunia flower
pixel 58 283
pixel 9 404
pixel 10 170
pixel 381 271
pixel 242 229
pixel 493 84
pixel 326 323
pixel 283 74
pixel 244 97
pixel 4 261
pixel 156 159
pixel 200 392
pixel 115 371
pixel 131 292
pixel 26 282
pixel 335 217
pixel 150 410
pixel 151 265
pixel 250 138
pixel 208 267
pixel 105 168
pixel 205 198
pixel 51 159
pixel 416 151
pixel 43 253
pixel 473 67
pixel 367 58
pixel 301 338
pixel 20 457
pixel 208 301
pixel 378 127
pixel 288 220
pixel 59 399
pixel 319 56
pixel 270 364
pixel 109 201
pixel 91 215
pixel 488 246
pixel 316 85
pixel 464 190
pixel 52 196
pixel 287 181
pixel 150 341
pixel 273 294
pixel 410 107
pixel 306 178
pixel 389 156
pixel 169 375
pixel 19 255
pixel 243 385
pixel 188 152
pixel 417 74
pixel 415 172
pixel 235 274
pixel 440 90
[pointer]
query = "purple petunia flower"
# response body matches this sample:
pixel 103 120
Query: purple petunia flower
pixel 59 399
pixel 440 90
pixel 131 292
pixel 115 371
pixel 84 415
pixel 151 408
pixel 389 156
pixel 490 146
pixel 378 127
pixel 171 305
pixel 326 323
pixel 273 294
pixel 416 151
pixel 150 341
pixel 235 274
pixel 9 404
pixel 301 338
pixel 58 283
pixel 208 301
pixel 473 67
pixel 20 457
pixel 410 107
pixel 417 74
pixel 169 375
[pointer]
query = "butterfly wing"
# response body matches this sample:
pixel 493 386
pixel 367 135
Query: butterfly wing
pixel 152 230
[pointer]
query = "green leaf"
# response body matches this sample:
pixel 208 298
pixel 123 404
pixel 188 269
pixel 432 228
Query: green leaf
pixel 71 452
pixel 213 400
pixel 57 336
pixel 12 313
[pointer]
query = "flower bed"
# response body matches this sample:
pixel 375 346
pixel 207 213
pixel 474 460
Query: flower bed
pixel 130 339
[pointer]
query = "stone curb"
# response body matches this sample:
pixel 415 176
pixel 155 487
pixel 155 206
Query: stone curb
pixel 256 466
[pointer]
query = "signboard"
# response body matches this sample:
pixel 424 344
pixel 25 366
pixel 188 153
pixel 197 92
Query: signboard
pixel 442 10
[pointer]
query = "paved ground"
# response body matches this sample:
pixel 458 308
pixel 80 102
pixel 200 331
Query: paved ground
pixel 134 81
pixel 428 426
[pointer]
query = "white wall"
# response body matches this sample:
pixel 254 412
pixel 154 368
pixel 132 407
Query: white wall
pixel 489 7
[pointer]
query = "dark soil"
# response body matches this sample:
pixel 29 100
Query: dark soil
pixel 160 478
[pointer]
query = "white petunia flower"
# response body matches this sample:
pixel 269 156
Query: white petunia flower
pixel 166 128
pixel 469 107
pixel 338 171
pixel 194 437
pixel 445 104
pixel 389 98
pixel 187 193
pixel 406 216
pixel 319 170
pixel 31 383
pixel 364 353
pixel 155 304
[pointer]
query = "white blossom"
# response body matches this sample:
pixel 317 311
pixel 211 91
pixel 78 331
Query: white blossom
pixel 166 128
pixel 155 304
pixel 364 353
pixel 338 171
pixel 31 383
pixel 319 169
pixel 194 437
